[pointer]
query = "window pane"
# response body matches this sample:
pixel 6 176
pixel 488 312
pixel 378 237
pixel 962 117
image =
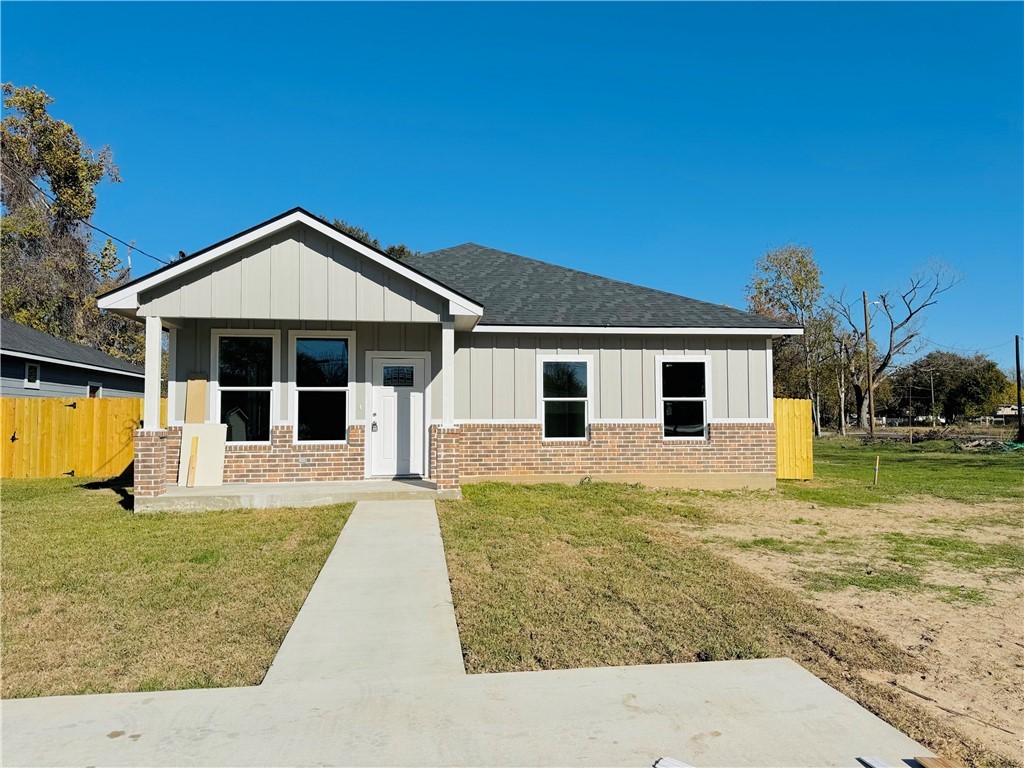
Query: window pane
pixel 398 376
pixel 321 362
pixel 32 374
pixel 247 415
pixel 322 415
pixel 246 361
pixel 565 379
pixel 684 418
pixel 682 380
pixel 565 419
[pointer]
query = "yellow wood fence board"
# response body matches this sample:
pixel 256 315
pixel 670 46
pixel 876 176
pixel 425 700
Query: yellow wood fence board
pixel 794 439
pixel 92 437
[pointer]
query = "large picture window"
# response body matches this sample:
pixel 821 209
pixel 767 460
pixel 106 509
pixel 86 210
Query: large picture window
pixel 565 392
pixel 245 382
pixel 683 393
pixel 321 389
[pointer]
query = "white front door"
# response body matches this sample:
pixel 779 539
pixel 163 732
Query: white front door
pixel 397 424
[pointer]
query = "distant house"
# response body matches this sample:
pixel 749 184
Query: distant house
pixel 36 364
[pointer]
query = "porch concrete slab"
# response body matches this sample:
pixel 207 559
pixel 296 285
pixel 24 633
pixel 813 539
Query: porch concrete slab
pixel 277 495
pixel 768 712
pixel 382 604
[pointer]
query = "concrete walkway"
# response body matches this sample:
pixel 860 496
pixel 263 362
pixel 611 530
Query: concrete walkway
pixel 382 605
pixel 371 674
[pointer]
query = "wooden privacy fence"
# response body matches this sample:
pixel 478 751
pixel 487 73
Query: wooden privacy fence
pixel 50 437
pixel 794 439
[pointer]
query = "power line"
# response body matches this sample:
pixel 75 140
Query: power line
pixel 81 220
pixel 968 351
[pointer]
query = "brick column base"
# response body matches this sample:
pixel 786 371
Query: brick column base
pixel 444 457
pixel 150 468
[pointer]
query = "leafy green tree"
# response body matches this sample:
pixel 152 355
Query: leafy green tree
pixel 962 386
pixel 51 274
pixel 786 286
pixel 398 251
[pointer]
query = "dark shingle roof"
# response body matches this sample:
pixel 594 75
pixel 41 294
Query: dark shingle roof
pixel 515 290
pixel 29 341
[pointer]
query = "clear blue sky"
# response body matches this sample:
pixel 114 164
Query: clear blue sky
pixel 663 144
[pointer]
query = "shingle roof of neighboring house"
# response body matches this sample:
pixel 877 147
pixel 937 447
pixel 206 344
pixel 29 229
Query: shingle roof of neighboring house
pixel 28 341
pixel 515 290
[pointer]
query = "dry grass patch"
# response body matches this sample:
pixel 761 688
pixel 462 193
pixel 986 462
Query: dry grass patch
pixel 96 599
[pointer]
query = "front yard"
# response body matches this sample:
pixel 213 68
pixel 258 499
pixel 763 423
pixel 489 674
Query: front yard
pixel 905 596
pixel 96 599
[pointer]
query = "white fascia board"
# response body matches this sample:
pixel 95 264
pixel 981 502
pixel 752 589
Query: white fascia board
pixel 55 361
pixel 635 331
pixel 127 297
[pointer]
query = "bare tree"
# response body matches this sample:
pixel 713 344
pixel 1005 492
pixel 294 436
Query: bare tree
pixel 897 325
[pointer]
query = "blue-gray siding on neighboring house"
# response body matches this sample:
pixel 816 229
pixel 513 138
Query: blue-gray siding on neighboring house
pixel 57 380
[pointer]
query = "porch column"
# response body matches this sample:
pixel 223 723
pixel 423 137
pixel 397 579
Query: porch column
pixel 448 374
pixel 444 439
pixel 151 409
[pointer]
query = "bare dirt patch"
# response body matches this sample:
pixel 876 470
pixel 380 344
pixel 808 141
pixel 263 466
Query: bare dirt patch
pixel 941 579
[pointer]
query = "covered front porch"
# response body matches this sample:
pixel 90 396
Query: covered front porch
pixel 308 357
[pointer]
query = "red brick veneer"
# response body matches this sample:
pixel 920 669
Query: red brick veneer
pixel 614 449
pixel 150 476
pixel 444 457
pixel 283 461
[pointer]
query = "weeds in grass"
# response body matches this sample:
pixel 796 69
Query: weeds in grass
pixel 863 576
pixel 955 552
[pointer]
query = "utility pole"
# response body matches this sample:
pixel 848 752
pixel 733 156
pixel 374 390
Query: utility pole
pixel 1020 415
pixel 867 354
pixel 931 376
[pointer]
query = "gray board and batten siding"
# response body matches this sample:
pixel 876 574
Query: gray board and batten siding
pixel 299 274
pixel 56 380
pixel 496 373
pixel 192 354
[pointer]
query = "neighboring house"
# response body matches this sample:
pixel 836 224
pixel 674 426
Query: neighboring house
pixel 329 360
pixel 36 364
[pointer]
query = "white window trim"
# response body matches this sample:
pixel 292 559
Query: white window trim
pixel 293 389
pixel 99 384
pixel 39 375
pixel 589 399
pixel 660 401
pixel 216 335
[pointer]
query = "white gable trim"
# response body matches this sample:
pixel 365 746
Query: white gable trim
pixel 625 330
pixel 128 297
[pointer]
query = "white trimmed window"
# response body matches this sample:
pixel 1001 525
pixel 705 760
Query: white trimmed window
pixel 565 390
pixel 684 407
pixel 321 397
pixel 32 375
pixel 246 367
pixel 94 389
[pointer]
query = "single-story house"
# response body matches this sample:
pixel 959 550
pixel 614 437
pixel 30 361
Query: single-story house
pixel 328 360
pixel 36 364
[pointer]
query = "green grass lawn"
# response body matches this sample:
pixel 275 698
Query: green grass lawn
pixel 97 599
pixel 843 472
